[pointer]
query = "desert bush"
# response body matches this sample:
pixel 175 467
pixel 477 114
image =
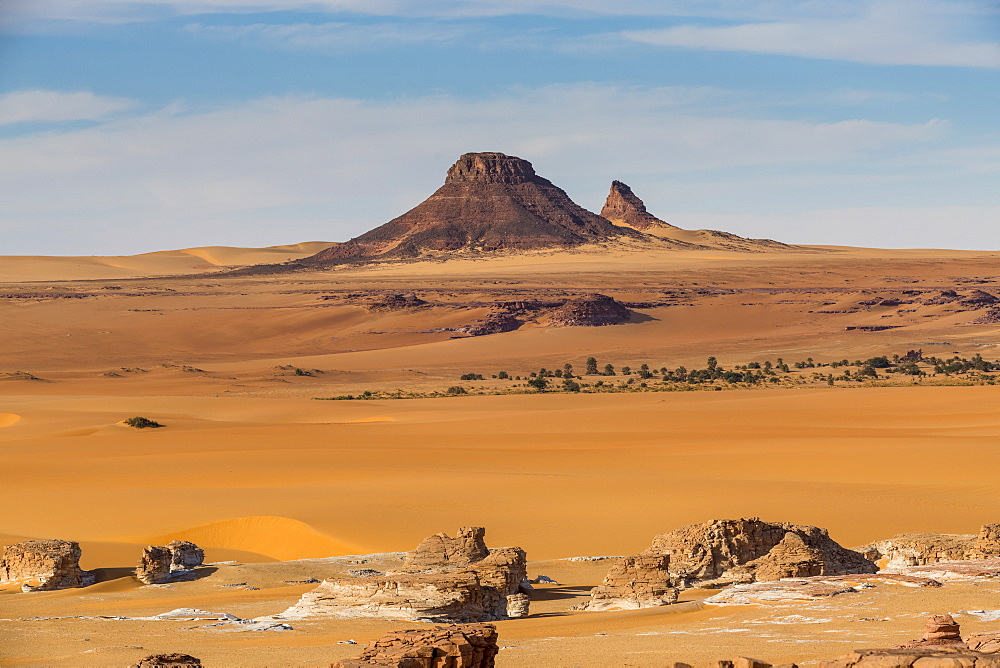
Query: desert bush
pixel 142 423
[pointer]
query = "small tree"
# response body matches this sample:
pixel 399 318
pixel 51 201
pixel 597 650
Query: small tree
pixel 570 386
pixel 457 389
pixel 539 383
pixel 568 370
pixel 503 375
pixel 591 366
pixel 609 370
pixel 626 371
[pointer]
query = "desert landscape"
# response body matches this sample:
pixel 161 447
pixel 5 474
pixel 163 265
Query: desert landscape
pixel 286 440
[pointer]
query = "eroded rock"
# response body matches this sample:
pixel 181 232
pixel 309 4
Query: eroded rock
pixel 594 310
pixel 44 565
pixel 941 657
pixel 159 564
pixel 939 631
pixel 444 579
pixel 635 582
pixel 917 549
pixel 464 646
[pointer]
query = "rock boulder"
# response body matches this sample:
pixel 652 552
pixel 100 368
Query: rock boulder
pixel 590 311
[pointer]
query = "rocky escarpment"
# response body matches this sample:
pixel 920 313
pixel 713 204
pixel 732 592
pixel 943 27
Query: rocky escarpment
pixel 919 549
pixel 489 202
pixel 172 660
pixel 444 579
pixel 719 553
pixel 385 303
pixel 590 311
pixel 44 565
pixel 159 564
pixel 462 646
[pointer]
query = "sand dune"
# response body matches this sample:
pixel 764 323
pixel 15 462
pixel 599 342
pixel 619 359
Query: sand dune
pixel 275 537
pixel 33 268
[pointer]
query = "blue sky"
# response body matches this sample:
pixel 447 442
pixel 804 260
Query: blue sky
pixel 137 126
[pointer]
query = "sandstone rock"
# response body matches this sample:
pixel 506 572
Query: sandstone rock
pixel 44 565
pixel 442 550
pixel 174 660
pixel 489 202
pixel 939 657
pixel 154 565
pixel 987 642
pixel 622 207
pixel 988 541
pixel 747 550
pixel 591 311
pixel 635 582
pixel 940 631
pixel 464 646
pixel 446 579
pixel 917 549
pixel 948 571
pixel 185 555
pixel 444 596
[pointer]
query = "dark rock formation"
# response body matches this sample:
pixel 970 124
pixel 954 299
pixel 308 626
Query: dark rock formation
pixel 489 202
pixel 991 317
pixel 461 646
pixel 44 565
pixel 623 208
pixel 494 323
pixel 979 299
pixel 395 303
pixel 174 660
pixel 946 297
pixel 591 311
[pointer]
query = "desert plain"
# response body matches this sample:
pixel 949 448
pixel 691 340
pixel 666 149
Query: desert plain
pixel 273 480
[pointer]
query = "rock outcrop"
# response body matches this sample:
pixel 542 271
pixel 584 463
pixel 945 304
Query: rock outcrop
pixel 622 207
pixel 920 549
pixel 942 657
pixel 440 550
pixel 397 302
pixel 457 580
pixel 720 553
pixel 987 642
pixel 590 311
pixel 494 323
pixel 159 564
pixel 940 631
pixel 635 582
pixel 464 646
pixel 917 549
pixel 44 565
pixel 750 550
pixel 489 202
pixel 174 660
pixel 185 555
pixel 979 299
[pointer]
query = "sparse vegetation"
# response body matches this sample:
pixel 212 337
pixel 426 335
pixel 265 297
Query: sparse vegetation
pixel 139 422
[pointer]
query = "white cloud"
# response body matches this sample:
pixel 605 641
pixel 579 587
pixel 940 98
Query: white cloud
pixel 886 32
pixel 332 36
pixel 51 106
pixel 278 170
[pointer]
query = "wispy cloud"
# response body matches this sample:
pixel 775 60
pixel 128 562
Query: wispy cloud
pixel 277 170
pixel 48 106
pixel 333 36
pixel 881 32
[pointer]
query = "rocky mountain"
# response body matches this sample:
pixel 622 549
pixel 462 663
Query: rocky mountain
pixel 489 202
pixel 624 208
